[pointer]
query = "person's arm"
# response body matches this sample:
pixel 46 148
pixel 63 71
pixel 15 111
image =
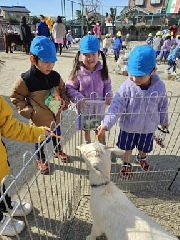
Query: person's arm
pixel 107 91
pixel 163 107
pixel 63 94
pixel 19 97
pixel 72 88
pixel 14 129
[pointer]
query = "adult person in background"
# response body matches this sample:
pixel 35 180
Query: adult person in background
pixel 97 30
pixel 25 34
pixel 174 30
pixel 42 29
pixel 58 33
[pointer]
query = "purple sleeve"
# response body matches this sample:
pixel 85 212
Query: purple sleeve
pixel 117 107
pixel 108 88
pixel 72 88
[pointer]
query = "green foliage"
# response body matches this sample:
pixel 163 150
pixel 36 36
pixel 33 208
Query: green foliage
pixel 34 20
pixel 13 21
pixel 113 14
pixel 78 14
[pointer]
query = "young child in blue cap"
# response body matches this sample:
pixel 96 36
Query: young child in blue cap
pixel 35 88
pixel 89 78
pixel 140 104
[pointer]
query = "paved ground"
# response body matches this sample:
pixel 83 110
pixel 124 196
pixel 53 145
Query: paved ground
pixel 17 63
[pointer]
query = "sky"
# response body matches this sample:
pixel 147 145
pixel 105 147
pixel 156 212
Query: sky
pixel 53 7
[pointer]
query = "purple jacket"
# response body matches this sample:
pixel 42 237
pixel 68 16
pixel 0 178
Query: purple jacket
pixel 166 45
pixel 139 111
pixel 87 82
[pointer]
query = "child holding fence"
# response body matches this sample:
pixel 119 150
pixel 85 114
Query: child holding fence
pixel 89 77
pixel 141 104
pixel 39 94
pixel 12 129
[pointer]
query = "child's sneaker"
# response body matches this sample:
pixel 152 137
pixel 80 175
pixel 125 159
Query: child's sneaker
pixel 43 166
pixel 125 170
pixel 173 73
pixel 7 227
pixel 63 156
pixel 143 162
pixel 18 211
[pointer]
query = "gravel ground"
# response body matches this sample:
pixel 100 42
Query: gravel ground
pixel 56 196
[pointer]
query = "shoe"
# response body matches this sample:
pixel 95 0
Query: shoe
pixel 43 166
pixel 7 228
pixel 125 170
pixel 143 163
pixel 18 211
pixel 173 73
pixel 63 156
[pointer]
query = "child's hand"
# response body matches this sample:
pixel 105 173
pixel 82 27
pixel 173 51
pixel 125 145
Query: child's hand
pixel 101 129
pixel 80 106
pixel 108 101
pixel 47 131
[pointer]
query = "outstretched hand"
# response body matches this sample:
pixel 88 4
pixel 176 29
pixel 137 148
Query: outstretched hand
pixel 101 129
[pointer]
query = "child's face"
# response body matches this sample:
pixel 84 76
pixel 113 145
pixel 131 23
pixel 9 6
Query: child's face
pixel 44 67
pixel 141 81
pixel 90 60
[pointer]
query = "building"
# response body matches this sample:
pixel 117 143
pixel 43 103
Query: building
pixel 153 6
pixel 14 12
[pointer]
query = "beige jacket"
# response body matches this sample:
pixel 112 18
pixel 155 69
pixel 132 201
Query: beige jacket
pixel 58 30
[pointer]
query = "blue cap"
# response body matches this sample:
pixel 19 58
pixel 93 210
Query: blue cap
pixel 44 49
pixel 89 44
pixel 141 61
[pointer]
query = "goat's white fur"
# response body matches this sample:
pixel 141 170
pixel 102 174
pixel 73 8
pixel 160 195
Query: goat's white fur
pixel 112 212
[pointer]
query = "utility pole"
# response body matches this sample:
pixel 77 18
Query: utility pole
pixel 82 25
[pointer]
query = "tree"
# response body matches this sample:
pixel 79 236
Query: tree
pixel 90 11
pixel 78 14
pixel 34 20
pixel 93 6
pixel 113 15
pixel 13 21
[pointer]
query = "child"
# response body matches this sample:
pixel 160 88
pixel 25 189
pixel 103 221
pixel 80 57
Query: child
pixel 69 39
pixel 33 92
pixel 141 104
pixel 13 129
pixel 166 47
pixel 158 42
pixel 65 43
pixel 117 45
pixel 89 76
pixel 172 59
pixel 149 40
pixel 106 43
pixel 127 40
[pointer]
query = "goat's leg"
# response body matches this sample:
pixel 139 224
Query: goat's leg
pixel 95 232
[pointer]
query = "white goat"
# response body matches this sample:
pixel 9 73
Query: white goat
pixel 113 213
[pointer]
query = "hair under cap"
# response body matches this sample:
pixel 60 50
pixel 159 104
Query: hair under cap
pixel 89 44
pixel 141 61
pixel 44 49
